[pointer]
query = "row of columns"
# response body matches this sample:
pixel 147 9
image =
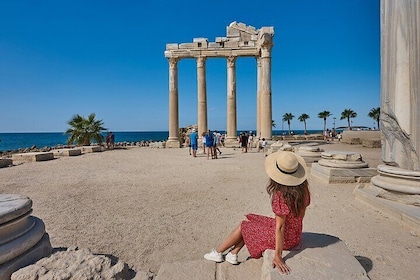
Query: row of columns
pixel 264 106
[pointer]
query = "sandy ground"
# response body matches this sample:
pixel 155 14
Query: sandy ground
pixel 149 206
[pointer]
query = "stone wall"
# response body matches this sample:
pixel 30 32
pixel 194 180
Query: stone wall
pixel 356 137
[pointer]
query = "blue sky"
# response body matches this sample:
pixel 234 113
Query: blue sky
pixel 60 58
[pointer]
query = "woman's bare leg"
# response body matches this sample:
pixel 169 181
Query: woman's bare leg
pixel 234 239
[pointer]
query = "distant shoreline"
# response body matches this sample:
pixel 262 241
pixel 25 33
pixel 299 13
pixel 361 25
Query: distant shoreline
pixel 11 141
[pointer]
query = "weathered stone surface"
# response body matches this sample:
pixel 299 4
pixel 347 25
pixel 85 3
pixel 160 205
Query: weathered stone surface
pixel 356 137
pixel 249 269
pixel 91 149
pixel 15 228
pixel 407 215
pixel 67 152
pixel 309 153
pixel 22 237
pixel 203 270
pixel 320 257
pixel 342 159
pixel 31 157
pixel 371 143
pixel 74 264
pixel 240 40
pixel 398 180
pixel 5 162
pixel 342 155
pixel 18 246
pixel 40 250
pixel 13 206
pixel 342 175
pixel 158 145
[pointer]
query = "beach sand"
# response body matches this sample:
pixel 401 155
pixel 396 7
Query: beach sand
pixel 149 206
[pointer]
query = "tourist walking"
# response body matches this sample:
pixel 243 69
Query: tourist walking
pixel 209 143
pixel 108 140
pixel 250 140
pixel 112 140
pixel 193 142
pixel 261 144
pixel 216 142
pixel 203 135
pixel 222 139
pixel 289 193
pixel 244 142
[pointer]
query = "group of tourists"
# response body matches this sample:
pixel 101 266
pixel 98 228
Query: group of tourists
pixel 246 141
pixel 211 141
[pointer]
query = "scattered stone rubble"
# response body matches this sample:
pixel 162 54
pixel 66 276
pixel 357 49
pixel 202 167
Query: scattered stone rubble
pixel 74 264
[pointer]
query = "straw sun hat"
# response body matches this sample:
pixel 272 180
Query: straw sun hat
pixel 286 168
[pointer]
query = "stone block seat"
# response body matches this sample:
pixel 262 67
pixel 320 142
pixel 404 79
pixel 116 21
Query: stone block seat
pixel 33 156
pixel 320 256
pixel 91 149
pixel 5 162
pixel 67 152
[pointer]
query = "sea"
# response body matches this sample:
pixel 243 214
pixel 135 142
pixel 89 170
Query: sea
pixel 22 140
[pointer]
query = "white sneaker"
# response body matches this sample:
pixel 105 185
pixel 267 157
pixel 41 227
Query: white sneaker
pixel 231 258
pixel 214 256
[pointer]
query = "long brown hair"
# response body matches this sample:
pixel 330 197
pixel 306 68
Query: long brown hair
pixel 295 196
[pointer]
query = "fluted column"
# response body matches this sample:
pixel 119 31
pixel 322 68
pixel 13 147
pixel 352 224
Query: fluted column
pixel 202 95
pixel 398 178
pixel 265 91
pixel 173 139
pixel 231 138
pixel 258 97
pixel 400 83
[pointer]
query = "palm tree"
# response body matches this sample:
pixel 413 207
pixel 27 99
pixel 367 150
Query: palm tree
pixel 324 115
pixel 347 114
pixel 82 130
pixel 287 118
pixel 273 123
pixel 375 114
pixel 303 119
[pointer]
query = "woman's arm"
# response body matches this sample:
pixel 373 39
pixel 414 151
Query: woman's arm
pixel 278 260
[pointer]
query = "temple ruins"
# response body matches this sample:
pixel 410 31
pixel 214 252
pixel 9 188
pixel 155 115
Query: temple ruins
pixel 240 41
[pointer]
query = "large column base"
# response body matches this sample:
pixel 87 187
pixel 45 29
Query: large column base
pixel 398 184
pixel 396 192
pixel 232 143
pixel 407 215
pixel 173 143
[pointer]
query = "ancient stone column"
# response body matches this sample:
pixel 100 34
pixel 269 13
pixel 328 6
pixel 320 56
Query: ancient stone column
pixel 399 177
pixel 173 139
pixel 231 138
pixel 265 91
pixel 258 97
pixel 202 95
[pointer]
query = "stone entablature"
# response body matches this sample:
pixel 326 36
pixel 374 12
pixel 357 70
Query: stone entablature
pixel 240 40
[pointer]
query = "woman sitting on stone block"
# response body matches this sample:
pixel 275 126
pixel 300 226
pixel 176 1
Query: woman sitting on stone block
pixel 288 189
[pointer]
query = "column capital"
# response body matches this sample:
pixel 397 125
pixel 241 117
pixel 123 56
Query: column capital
pixel 231 61
pixel 266 45
pixel 173 61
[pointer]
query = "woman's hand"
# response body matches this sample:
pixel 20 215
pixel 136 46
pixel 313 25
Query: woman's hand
pixel 281 265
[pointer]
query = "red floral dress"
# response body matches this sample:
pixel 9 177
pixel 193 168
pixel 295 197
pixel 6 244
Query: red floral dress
pixel 259 232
